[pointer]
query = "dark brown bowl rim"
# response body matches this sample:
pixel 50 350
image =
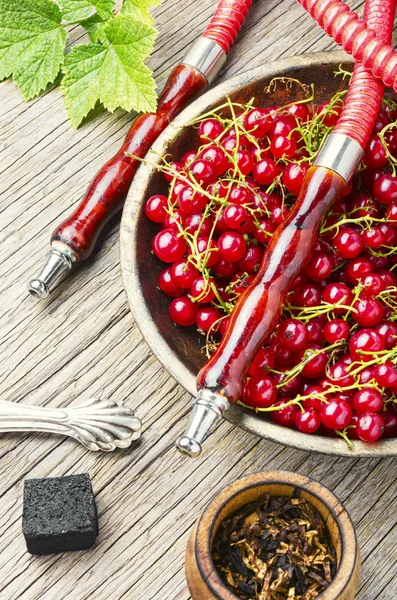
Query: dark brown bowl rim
pixel 213 578
pixel 128 257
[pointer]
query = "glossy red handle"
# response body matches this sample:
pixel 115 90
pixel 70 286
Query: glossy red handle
pixel 258 310
pixel 106 193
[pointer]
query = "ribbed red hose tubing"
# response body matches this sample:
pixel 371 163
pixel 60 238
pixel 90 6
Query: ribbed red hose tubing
pixel 350 32
pixel 227 21
pixel 365 92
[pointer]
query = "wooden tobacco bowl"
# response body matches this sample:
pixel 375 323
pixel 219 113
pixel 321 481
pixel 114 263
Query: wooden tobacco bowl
pixel 204 581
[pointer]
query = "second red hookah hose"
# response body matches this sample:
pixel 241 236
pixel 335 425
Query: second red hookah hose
pixel 258 310
pixel 227 21
pixel 366 45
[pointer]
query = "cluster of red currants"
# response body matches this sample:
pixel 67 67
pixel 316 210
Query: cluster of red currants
pixel 330 365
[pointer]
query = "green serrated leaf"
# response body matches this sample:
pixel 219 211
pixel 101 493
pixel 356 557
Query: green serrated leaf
pixel 139 10
pixel 80 86
pixel 32 43
pixel 113 73
pixel 75 11
pixel 93 26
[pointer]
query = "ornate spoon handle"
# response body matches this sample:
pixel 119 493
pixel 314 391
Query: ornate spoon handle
pixel 97 424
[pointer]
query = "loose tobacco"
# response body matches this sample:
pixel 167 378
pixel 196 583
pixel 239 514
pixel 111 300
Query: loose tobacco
pixel 274 549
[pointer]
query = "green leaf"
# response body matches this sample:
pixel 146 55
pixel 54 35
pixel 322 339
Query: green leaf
pixel 75 11
pixel 32 43
pixel 113 73
pixel 93 26
pixel 139 10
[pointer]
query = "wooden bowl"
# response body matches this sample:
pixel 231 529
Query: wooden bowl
pixel 203 579
pixel 178 348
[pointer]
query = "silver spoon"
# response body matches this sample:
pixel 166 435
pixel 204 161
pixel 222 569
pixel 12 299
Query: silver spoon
pixel 96 424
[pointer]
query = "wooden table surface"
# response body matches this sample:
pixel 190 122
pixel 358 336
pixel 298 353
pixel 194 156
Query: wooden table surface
pixel 83 343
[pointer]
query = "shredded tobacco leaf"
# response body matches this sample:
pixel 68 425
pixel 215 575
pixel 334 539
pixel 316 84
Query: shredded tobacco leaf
pixel 276 548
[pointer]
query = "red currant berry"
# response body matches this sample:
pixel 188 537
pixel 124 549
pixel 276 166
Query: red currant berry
pixel 389 416
pixel 264 231
pixel 283 147
pixel 191 201
pixel 224 268
pixel 367 400
pixel 285 415
pixel 314 401
pixel 252 260
pixel 208 251
pixel 315 329
pixel 210 129
pixel 370 427
pixel 265 171
pixel 386 374
pixel 196 222
pixel 245 161
pixel 237 218
pixel 368 312
pixel 282 125
pixel 364 343
pixel 292 334
pixel 293 176
pixel 373 237
pixel 261 393
pixel 167 285
pixel 307 295
pixel 391 214
pixel 155 208
pixel 183 273
pixel 183 311
pixel 375 156
pixel 257 122
pixel 357 268
pixel 240 195
pixel 373 284
pixel 174 167
pixel 307 421
pixel 187 158
pixel 336 330
pixel 340 294
pixel 168 246
pixel 385 189
pixel 316 366
pixel 217 159
pixel 336 415
pixel 263 361
pixel 202 291
pixel 330 113
pixel 388 331
pixel 300 112
pixel 208 319
pixel 319 266
pixel 202 172
pixel 174 221
pixel 232 246
pixel 348 243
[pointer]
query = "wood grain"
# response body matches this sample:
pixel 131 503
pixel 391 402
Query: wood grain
pixel 84 343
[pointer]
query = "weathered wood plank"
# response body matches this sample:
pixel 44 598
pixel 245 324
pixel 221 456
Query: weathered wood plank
pixel 84 343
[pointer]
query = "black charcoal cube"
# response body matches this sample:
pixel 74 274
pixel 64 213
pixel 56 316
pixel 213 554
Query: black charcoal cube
pixel 59 514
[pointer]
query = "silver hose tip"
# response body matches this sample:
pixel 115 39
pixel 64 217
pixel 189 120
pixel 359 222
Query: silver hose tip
pixel 58 265
pixel 38 289
pixel 188 446
pixel 208 407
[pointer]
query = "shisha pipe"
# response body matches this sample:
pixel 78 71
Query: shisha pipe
pixel 257 312
pixel 74 239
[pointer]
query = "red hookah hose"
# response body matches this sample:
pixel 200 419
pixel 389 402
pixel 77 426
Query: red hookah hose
pixel 258 310
pixel 365 92
pixel 363 43
pixel 227 21
pixel 74 239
